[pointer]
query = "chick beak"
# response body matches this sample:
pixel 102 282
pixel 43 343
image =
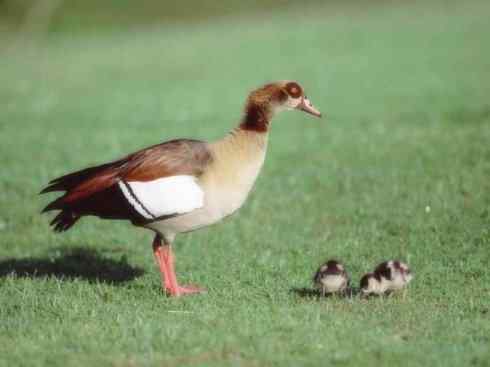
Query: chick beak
pixel 308 107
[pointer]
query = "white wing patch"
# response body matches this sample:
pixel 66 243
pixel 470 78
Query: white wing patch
pixel 165 196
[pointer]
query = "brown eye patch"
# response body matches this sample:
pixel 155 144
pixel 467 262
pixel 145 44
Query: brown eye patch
pixel 280 96
pixel 294 90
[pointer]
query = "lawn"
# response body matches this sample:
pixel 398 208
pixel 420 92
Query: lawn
pixel 398 168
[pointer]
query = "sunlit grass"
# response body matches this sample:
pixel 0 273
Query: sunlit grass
pixel 404 89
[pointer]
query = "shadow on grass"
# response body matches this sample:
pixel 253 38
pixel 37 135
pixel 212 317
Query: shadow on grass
pixel 315 293
pixel 306 292
pixel 73 263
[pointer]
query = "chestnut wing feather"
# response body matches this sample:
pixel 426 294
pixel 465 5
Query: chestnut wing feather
pixel 176 157
pixel 172 158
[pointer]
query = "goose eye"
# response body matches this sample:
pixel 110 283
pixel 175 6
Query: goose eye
pixel 293 89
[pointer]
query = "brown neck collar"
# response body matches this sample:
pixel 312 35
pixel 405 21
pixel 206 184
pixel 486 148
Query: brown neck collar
pixel 257 118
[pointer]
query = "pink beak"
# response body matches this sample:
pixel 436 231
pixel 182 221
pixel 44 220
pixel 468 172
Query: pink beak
pixel 308 107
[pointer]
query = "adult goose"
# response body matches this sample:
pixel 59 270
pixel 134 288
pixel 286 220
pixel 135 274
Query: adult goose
pixel 180 185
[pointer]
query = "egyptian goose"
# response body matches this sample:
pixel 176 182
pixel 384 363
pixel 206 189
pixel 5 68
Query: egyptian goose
pixel 180 185
pixel 387 277
pixel 331 277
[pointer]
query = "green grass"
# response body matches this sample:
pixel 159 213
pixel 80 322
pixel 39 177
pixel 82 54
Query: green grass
pixel 405 89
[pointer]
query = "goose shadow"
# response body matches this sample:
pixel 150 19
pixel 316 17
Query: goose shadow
pixel 73 263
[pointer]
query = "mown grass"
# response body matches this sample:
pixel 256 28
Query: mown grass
pixel 400 168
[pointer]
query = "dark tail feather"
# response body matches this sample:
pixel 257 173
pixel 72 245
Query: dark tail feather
pixel 64 221
pixel 52 187
pixel 96 200
pixel 71 180
pixel 57 204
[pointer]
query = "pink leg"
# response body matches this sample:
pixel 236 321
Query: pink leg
pixel 165 260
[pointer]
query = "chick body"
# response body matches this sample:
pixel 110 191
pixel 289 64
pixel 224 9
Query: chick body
pixel 387 277
pixel 331 277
